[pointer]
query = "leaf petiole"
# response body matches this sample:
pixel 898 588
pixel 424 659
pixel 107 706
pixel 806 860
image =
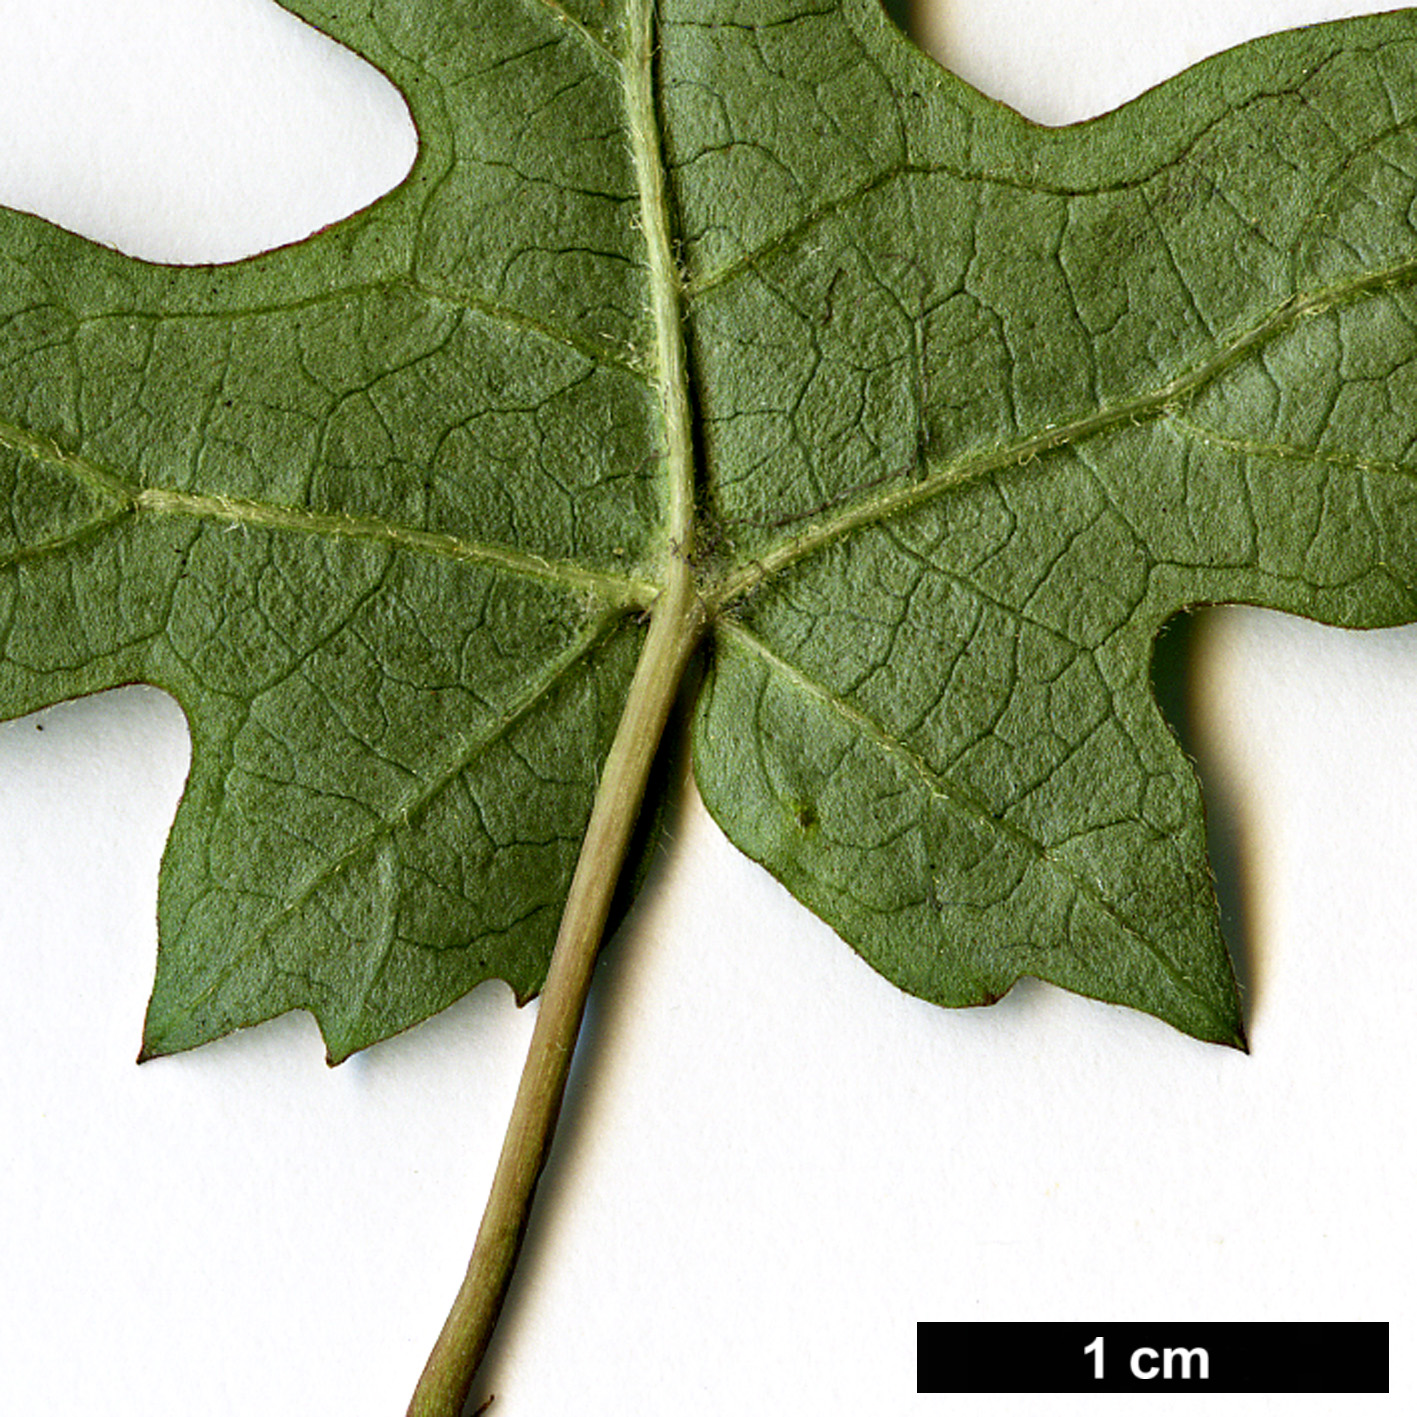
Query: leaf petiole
pixel 676 627
pixel 677 623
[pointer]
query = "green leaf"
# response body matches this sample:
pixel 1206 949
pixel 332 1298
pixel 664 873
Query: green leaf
pixel 975 407
pixel 1039 1194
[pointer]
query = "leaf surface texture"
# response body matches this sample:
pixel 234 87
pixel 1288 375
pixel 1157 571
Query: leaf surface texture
pixel 977 406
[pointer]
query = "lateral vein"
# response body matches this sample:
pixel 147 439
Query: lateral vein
pixel 621 591
pixel 385 827
pixel 560 13
pixel 39 550
pixel 598 353
pixel 626 592
pixel 941 786
pixel 1167 399
pixel 1293 452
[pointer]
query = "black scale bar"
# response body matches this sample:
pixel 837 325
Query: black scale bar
pixel 1159 1357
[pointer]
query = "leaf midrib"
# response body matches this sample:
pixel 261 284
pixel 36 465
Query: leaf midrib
pixel 666 284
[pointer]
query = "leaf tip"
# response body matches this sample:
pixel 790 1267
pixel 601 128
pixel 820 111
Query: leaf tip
pixel 1229 1030
pixel 1232 1031
pixel 339 1049
pixel 151 1047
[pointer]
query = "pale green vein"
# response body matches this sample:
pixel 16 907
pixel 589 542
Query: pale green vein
pixel 39 550
pixel 388 825
pixel 794 234
pixel 961 798
pixel 626 592
pixel 49 454
pixel 666 281
pixel 564 16
pixel 1293 452
pixel 175 312
pixel 602 354
pixel 386 935
pixel 1168 398
pixel 623 592
pixel 809 221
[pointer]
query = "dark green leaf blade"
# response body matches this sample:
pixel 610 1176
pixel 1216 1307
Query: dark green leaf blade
pixel 1148 362
pixel 980 405
pixel 378 511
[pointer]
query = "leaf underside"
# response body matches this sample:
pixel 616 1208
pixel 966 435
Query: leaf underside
pixel 978 407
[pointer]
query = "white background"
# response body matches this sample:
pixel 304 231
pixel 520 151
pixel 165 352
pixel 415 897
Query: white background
pixel 773 1163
